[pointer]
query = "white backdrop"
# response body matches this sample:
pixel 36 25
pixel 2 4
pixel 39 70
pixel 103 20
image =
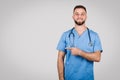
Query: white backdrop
pixel 31 29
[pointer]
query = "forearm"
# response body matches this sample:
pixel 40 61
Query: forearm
pixel 60 66
pixel 91 56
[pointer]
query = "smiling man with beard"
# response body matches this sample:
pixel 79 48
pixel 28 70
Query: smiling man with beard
pixel 81 47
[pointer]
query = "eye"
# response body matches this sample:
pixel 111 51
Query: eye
pixel 77 14
pixel 82 14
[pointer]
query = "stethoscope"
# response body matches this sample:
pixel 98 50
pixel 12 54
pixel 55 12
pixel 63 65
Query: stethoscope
pixel 71 34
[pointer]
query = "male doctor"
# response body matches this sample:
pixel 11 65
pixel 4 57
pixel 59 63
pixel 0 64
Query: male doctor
pixel 80 47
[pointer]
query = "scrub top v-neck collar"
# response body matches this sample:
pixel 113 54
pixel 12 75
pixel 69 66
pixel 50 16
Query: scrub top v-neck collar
pixel 79 35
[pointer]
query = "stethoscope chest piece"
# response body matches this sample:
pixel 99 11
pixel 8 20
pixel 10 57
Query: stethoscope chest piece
pixel 90 44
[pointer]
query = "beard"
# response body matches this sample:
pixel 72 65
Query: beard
pixel 79 23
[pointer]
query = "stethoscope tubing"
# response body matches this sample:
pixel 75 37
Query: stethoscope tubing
pixel 71 33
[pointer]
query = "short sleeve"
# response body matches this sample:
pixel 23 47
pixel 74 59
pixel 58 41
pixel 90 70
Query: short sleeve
pixel 97 45
pixel 62 43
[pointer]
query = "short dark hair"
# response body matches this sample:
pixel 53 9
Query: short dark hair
pixel 80 6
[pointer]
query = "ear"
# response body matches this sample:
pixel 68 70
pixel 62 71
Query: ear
pixel 86 16
pixel 72 16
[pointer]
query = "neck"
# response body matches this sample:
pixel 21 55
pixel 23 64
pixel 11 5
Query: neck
pixel 80 29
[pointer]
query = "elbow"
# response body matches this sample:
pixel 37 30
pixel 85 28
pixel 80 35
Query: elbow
pixel 97 59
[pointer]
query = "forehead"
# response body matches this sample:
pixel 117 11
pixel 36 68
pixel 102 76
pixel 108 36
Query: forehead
pixel 79 10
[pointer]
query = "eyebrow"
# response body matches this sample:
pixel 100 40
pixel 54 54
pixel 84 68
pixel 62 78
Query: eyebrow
pixel 81 12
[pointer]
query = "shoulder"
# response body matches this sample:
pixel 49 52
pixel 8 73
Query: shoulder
pixel 92 32
pixel 65 33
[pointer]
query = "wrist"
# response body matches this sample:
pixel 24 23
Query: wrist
pixel 61 79
pixel 80 53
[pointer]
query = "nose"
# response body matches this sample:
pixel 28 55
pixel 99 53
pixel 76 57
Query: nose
pixel 80 16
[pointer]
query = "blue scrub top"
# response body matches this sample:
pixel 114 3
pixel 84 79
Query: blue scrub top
pixel 77 67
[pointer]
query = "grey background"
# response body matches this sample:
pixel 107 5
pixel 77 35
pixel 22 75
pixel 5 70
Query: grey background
pixel 31 29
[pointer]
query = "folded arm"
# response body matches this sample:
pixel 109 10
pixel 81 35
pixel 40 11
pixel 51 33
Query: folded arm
pixel 94 56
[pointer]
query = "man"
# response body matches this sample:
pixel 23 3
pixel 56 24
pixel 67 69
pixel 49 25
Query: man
pixel 81 46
